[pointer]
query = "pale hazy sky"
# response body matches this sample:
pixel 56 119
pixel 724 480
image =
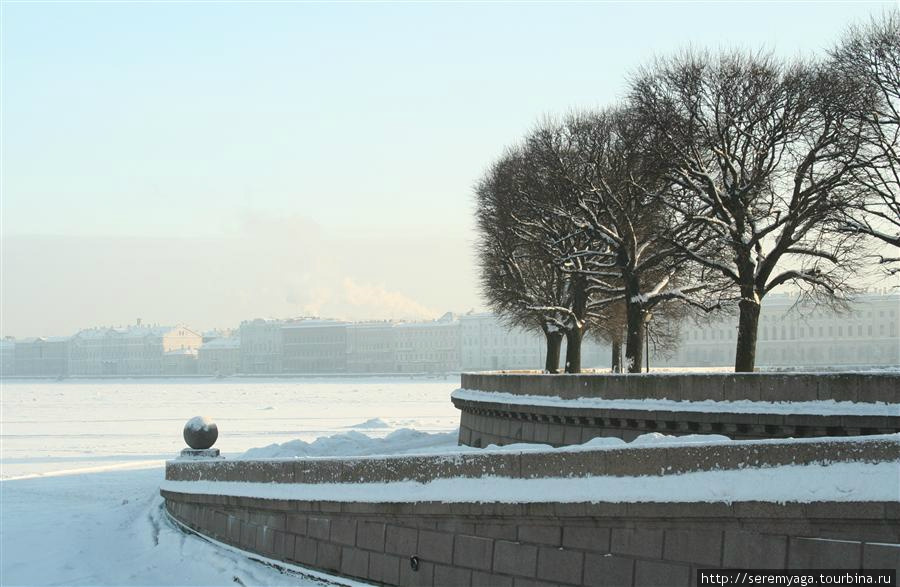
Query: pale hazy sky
pixel 207 162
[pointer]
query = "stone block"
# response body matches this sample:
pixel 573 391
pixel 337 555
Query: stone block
pixel 764 509
pixel 370 535
pixel 248 536
pixel 589 433
pixel 588 538
pixel 881 556
pixel 540 534
pixel 748 550
pixel 308 471
pixel 561 464
pixel 630 462
pixel 401 541
pixel 837 387
pixel 702 547
pixel 502 531
pixel 528 433
pixel 637 541
pixel 220 524
pixel 880 387
pixel 328 556
pixel 560 565
pixel 555 434
pixel 343 531
pixel 845 510
pixel 451 576
pixel 354 562
pixel 607 570
pixel 296 524
pixel 473 552
pixel 384 568
pixel 659 574
pixel 284 545
pixel 523 582
pixel 435 546
pixel 490 580
pixel 514 558
pixel 572 435
pixel 318 528
pixel 423 577
pixel 305 550
pixel 812 553
pixel 233 530
pixel 265 540
pixel 739 386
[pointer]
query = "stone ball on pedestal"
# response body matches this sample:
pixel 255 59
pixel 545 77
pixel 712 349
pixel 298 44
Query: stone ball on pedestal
pixel 200 433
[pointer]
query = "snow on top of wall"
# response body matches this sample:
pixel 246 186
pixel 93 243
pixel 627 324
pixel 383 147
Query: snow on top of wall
pixel 842 482
pixel 822 408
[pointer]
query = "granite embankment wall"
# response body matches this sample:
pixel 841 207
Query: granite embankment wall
pixel 767 387
pixel 546 542
pixel 508 420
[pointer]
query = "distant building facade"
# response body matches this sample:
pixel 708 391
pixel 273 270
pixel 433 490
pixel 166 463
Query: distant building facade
pixel 372 347
pixel 219 357
pixel 801 335
pixel 133 350
pixel 429 347
pixel 41 357
pixel 314 346
pixel 7 357
pixel 488 344
pixel 261 348
pixel 180 362
pixel 790 335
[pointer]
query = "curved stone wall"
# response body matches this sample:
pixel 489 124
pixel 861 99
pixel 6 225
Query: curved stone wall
pixel 613 461
pixel 551 543
pixel 508 408
pixel 768 387
pixel 579 544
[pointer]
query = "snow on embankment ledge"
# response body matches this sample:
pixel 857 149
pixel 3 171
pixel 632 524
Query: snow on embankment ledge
pixel 820 408
pixel 845 482
pixel 840 481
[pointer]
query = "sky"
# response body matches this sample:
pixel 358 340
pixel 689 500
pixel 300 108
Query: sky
pixel 209 162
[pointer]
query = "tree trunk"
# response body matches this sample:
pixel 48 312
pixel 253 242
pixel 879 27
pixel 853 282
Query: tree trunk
pixel 634 324
pixel 616 356
pixel 748 325
pixel 573 350
pixel 554 342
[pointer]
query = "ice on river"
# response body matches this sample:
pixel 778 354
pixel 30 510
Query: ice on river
pixel 82 463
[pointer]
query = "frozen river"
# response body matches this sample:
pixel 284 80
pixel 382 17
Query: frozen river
pixel 51 427
pixel 82 462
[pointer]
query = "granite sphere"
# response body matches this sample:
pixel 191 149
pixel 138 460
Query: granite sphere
pixel 200 432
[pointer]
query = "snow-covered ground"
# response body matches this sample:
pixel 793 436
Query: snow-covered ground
pixel 82 463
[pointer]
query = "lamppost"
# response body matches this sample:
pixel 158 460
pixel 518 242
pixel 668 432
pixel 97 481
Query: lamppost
pixel 647 317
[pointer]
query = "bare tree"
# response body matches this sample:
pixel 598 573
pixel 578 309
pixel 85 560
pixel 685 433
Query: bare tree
pixel 520 281
pixel 763 164
pixel 616 207
pixel 868 61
